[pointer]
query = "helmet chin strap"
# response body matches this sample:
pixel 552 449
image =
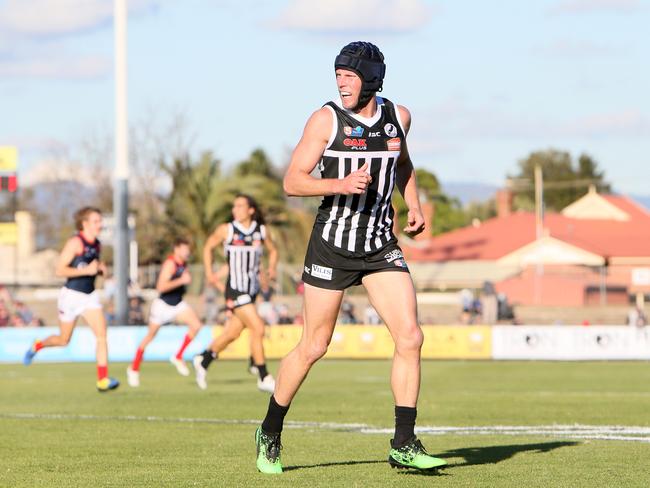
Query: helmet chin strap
pixel 364 97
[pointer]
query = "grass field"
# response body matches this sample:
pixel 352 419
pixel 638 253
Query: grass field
pixel 56 430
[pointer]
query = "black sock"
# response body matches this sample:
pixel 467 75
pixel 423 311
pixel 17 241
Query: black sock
pixel 274 417
pixel 404 424
pixel 208 357
pixel 250 361
pixel 261 369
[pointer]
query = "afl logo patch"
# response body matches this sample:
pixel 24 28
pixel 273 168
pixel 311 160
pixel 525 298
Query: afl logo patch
pixel 390 130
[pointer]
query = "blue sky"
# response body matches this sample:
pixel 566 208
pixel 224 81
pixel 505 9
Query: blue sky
pixel 486 82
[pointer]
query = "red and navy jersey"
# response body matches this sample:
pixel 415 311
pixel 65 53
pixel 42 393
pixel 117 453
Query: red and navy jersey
pixel 243 248
pixel 89 253
pixel 361 223
pixel 175 295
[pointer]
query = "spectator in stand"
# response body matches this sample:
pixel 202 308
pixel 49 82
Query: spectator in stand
pixel 25 314
pixel 489 303
pixel 17 321
pixel 370 316
pixel 5 319
pixel 636 317
pixel 136 314
pixel 347 313
pixel 283 315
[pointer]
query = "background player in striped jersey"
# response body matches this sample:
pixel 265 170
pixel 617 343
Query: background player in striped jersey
pixel 169 307
pixel 80 263
pixel 243 239
pixel 359 145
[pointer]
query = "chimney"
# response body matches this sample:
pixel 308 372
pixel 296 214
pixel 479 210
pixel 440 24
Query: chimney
pixel 504 199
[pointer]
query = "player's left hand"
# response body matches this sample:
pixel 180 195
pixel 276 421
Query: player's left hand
pixel 272 274
pixel 415 223
pixel 101 269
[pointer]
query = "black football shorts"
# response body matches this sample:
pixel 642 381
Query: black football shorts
pixel 327 266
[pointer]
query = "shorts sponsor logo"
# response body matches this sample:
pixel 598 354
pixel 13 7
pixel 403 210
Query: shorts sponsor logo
pixel 393 255
pixel 391 130
pixel 307 270
pixel 350 132
pixel 400 263
pixel 394 144
pixel 322 272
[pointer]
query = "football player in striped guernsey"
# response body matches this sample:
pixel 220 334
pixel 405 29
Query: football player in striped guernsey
pixel 243 239
pixel 169 307
pixel 79 262
pixel 359 145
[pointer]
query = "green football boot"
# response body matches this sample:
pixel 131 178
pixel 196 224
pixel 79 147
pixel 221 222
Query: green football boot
pixel 413 455
pixel 268 452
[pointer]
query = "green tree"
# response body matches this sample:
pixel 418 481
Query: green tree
pixel 564 180
pixel 448 212
pixel 198 201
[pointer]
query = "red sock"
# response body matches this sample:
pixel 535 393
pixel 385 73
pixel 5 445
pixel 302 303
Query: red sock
pixel 137 359
pixel 38 345
pixel 102 372
pixel 186 342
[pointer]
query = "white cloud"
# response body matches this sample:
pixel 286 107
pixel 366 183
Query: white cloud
pixel 58 67
pixel 587 6
pixel 454 120
pixel 571 48
pixel 378 16
pixel 53 18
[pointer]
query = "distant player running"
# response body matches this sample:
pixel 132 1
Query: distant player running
pixel 80 263
pixel 359 145
pixel 243 239
pixel 169 307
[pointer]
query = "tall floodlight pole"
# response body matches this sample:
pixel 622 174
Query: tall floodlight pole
pixel 120 191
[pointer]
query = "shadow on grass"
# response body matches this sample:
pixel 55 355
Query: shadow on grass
pixel 496 454
pixel 472 455
pixel 327 465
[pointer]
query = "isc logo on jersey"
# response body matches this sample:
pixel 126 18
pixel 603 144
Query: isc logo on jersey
pixel 358 144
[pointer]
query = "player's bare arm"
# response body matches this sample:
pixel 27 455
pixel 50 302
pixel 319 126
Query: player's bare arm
pixel 72 248
pixel 215 240
pixel 166 283
pixel 298 180
pixel 273 255
pixel 407 183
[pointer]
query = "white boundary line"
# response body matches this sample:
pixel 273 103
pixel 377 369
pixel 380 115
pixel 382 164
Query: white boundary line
pixel 630 433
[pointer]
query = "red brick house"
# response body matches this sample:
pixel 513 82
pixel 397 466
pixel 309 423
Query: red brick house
pixel 595 251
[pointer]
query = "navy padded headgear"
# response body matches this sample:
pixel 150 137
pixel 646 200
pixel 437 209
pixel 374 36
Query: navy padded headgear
pixel 367 61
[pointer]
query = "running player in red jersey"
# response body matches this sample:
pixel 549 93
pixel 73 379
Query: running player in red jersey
pixel 243 239
pixel 169 307
pixel 80 263
pixel 359 145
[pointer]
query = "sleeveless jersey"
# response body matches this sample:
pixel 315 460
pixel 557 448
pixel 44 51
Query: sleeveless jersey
pixel 243 249
pixel 175 295
pixel 89 253
pixel 361 223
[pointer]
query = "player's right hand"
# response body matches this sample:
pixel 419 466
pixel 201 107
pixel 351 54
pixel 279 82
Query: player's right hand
pixel 92 268
pixel 185 278
pixel 356 182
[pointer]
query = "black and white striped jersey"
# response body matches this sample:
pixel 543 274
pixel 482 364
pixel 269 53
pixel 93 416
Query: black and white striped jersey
pixel 361 223
pixel 243 250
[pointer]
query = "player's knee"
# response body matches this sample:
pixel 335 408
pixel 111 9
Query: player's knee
pixel 64 340
pixel 314 351
pixel 410 340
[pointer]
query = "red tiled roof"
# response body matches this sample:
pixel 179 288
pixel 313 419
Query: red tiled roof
pixel 500 236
